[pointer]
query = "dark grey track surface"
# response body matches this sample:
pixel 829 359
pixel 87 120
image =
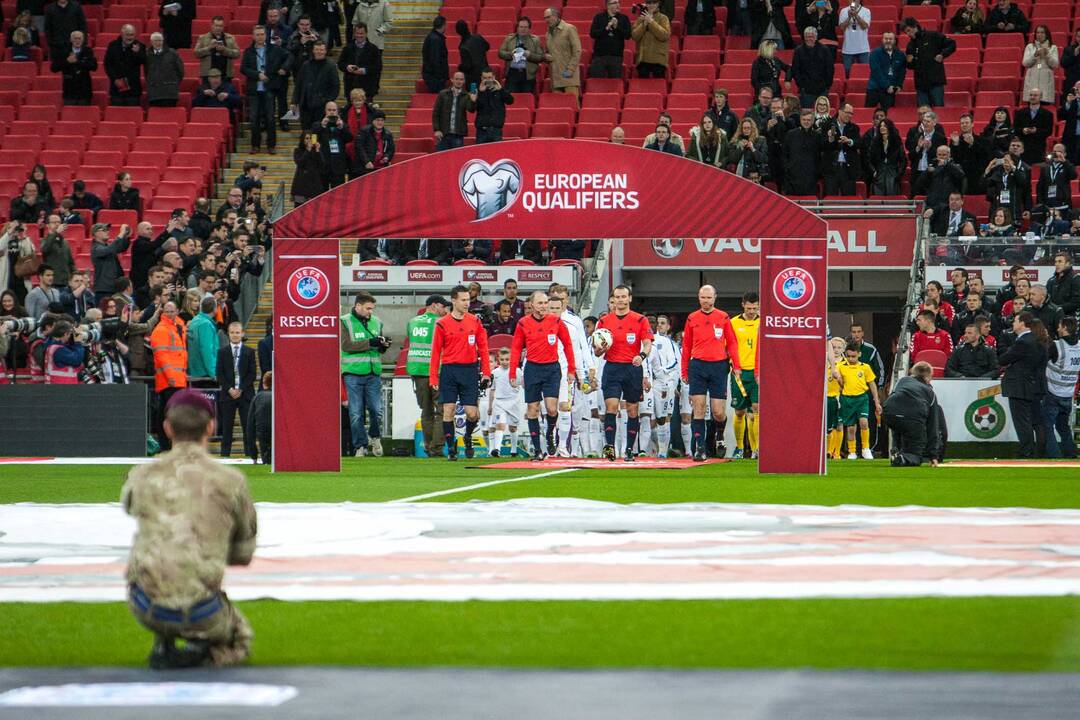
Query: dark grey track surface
pixel 452 694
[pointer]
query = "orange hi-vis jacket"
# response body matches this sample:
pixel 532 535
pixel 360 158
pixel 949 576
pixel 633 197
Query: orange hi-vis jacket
pixel 169 343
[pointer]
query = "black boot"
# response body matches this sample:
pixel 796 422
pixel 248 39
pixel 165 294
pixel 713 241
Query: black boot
pixel 165 655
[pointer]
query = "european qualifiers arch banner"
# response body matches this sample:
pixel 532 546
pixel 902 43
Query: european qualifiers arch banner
pixel 543 189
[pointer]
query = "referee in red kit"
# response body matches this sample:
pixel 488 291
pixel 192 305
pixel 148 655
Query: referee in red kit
pixel 631 342
pixel 459 343
pixel 539 334
pixel 709 351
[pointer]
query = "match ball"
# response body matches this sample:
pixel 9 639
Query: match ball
pixel 601 340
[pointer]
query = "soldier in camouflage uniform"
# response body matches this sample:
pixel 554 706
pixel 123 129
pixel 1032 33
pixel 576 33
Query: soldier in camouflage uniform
pixel 195 516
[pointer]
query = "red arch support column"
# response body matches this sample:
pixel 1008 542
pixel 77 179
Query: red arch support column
pixel 544 189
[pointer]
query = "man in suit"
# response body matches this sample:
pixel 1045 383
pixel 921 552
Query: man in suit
pixel 236 377
pixel 1022 362
pixel 266 67
pixel 1055 182
pixel 427 249
pixel 949 220
pixel 381 249
pixel 1033 124
pixel 520 250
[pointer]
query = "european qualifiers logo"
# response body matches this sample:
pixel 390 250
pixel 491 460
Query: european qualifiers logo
pixel 793 288
pixel 667 248
pixel 308 287
pixel 490 189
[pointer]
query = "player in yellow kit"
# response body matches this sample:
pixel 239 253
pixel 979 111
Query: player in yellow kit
pixel 832 398
pixel 746 403
pixel 856 379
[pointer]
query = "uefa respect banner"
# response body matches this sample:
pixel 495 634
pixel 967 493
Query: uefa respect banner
pixel 307 380
pixel 791 357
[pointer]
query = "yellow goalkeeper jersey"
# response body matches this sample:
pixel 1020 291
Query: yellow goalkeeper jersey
pixel 746 333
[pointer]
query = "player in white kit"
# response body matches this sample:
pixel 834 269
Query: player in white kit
pixel 573 406
pixel 664 362
pixel 504 405
pixel 685 409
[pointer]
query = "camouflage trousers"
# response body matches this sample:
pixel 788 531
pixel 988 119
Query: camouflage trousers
pixel 227 633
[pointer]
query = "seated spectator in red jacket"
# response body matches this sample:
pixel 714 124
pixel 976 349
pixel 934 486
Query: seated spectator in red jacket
pixel 929 336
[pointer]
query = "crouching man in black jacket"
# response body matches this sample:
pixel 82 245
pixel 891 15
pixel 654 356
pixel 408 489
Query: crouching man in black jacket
pixel 911 412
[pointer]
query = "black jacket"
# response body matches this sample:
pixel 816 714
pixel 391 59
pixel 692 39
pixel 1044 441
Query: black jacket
pixel 367 147
pixel 60 22
pixel 1035 143
pixel 610 43
pixel 368 249
pixel 530 250
pixel 973 159
pixel 922 50
pixel 125 62
pixel 912 399
pixel 812 69
pixel 1013 16
pixel 144 254
pixel 1022 361
pixel 369 58
pixel 802 161
pixel 1049 313
pixel 567 249
pixel 937 139
pixel 76 75
pixel 1064 291
pixel 491 107
pixel 336 163
pixel 972 361
pixel 760 17
pixel 939 222
pixel 177 28
pixel 276 59
pixel 437 250
pixel 435 63
pixel 1019 186
pixel 105 258
pixel 1062 185
pixel 702 23
pixel 226 373
pixel 766 72
pixel 317 83
pixel 309 179
pixel 938 182
pixel 1070 61
pixel 833 147
pixel 125 199
pixel 473 51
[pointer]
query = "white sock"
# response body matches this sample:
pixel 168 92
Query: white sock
pixel 564 429
pixel 596 429
pixel 620 431
pixel 513 443
pixel 497 440
pixel 686 436
pixel 644 434
pixel 663 438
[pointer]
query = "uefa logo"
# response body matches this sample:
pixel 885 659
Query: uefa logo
pixel 793 288
pixel 490 189
pixel 308 287
pixel 667 248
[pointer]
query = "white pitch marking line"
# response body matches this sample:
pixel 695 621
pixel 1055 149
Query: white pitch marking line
pixel 477 486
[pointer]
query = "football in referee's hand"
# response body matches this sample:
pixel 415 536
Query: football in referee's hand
pixel 601 341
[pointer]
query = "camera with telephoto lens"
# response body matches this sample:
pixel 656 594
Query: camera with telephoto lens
pixel 19 326
pixel 104 330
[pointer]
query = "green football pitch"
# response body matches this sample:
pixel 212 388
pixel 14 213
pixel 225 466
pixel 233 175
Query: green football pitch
pixel 1012 634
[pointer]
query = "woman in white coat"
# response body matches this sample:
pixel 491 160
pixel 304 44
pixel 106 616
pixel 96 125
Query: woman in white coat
pixel 1040 59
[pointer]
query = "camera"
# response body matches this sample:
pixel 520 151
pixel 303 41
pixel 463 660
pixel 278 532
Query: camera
pixel 637 8
pixel 19 326
pixel 104 330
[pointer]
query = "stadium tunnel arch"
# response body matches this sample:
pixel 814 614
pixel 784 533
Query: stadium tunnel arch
pixel 540 188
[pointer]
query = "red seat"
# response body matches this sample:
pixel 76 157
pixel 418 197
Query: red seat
pixel 558 100
pixel 555 115
pixel 593 131
pixel 936 358
pixel 170 202
pixel 38 113
pixel 74 144
pixel 119 217
pixel 421 263
pixel 88 115
pixel 171 115
pixel 551 130
pixel 605 85
pixel 124 114
pixel 29 144
pixel 609 116
pixel 376 262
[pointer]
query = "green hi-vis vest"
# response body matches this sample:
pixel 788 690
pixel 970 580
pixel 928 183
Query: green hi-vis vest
pixel 421 334
pixel 361 363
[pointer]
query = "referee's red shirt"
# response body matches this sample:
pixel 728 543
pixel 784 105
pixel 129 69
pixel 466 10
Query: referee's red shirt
pixel 539 339
pixel 459 342
pixel 709 337
pixel 627 334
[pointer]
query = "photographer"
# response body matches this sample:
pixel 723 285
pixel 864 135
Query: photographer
pixel 16 258
pixel 309 178
pixel 362 342
pixel 652 33
pixel 216 50
pixel 56 252
pixel 1055 181
pixel 63 356
pixel 105 256
pixel 333 134
pixel 78 297
pixel 491 102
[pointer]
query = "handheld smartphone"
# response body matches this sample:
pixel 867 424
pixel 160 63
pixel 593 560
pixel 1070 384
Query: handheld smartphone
pixel 472 87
